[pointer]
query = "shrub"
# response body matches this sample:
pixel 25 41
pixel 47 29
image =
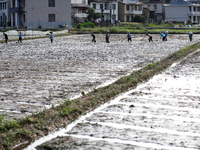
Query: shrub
pixel 189 21
pixel 138 18
pixel 89 25
pixel 85 25
pixel 79 25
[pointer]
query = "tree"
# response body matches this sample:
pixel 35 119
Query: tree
pixel 139 19
pixel 92 15
pixel 189 21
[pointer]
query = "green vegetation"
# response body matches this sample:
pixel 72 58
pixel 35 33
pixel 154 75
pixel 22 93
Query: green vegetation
pixel 92 15
pixel 134 30
pixel 139 18
pixel 137 28
pixel 39 124
pixel 85 25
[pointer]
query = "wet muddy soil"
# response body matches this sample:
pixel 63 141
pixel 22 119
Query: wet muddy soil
pixel 36 74
pixel 162 113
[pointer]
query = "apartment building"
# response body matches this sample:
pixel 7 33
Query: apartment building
pixel 40 13
pixel 182 11
pixel 3 12
pixel 78 10
pixel 129 8
pixel 109 9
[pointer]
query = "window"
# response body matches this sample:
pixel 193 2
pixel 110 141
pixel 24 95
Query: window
pixel 24 16
pixel 132 7
pixel 198 8
pixel 194 18
pixel 114 6
pixel 190 8
pixel 127 18
pixel 51 3
pixel 194 8
pixel 52 18
pixel 127 7
pixel 101 6
pixel 140 7
pixel 0 6
pixel 94 6
pixel 155 7
pixel 5 5
pixel 114 17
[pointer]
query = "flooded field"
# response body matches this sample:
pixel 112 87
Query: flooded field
pixel 161 114
pixel 36 74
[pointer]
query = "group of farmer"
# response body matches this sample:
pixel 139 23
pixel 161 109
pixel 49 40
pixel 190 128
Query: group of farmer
pixel 19 40
pixel 162 35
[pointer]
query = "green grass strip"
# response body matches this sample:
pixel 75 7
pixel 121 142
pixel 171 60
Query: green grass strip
pixel 40 124
pixel 124 30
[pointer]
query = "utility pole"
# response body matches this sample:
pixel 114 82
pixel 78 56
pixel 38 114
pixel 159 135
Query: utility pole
pixel 113 14
pixel 110 12
pixel 101 16
pixel 147 13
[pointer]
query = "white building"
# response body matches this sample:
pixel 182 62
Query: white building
pixel 110 9
pixel 182 11
pixel 177 11
pixel 3 12
pixel 78 10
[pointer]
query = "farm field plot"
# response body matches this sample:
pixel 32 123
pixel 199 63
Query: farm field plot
pixel 35 74
pixel 161 114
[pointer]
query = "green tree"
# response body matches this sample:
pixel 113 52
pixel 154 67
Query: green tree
pixel 97 15
pixel 138 18
pixel 92 15
pixel 189 21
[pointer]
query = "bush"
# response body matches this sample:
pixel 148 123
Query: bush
pixel 194 23
pixel 89 25
pixel 189 21
pixel 138 18
pixel 85 25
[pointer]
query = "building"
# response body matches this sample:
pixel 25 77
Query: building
pixel 182 11
pixel 109 10
pixel 194 12
pixel 78 10
pixel 158 6
pixel 149 14
pixel 4 12
pixel 128 9
pixel 40 13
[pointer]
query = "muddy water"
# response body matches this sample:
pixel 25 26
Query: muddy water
pixel 36 74
pixel 160 114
